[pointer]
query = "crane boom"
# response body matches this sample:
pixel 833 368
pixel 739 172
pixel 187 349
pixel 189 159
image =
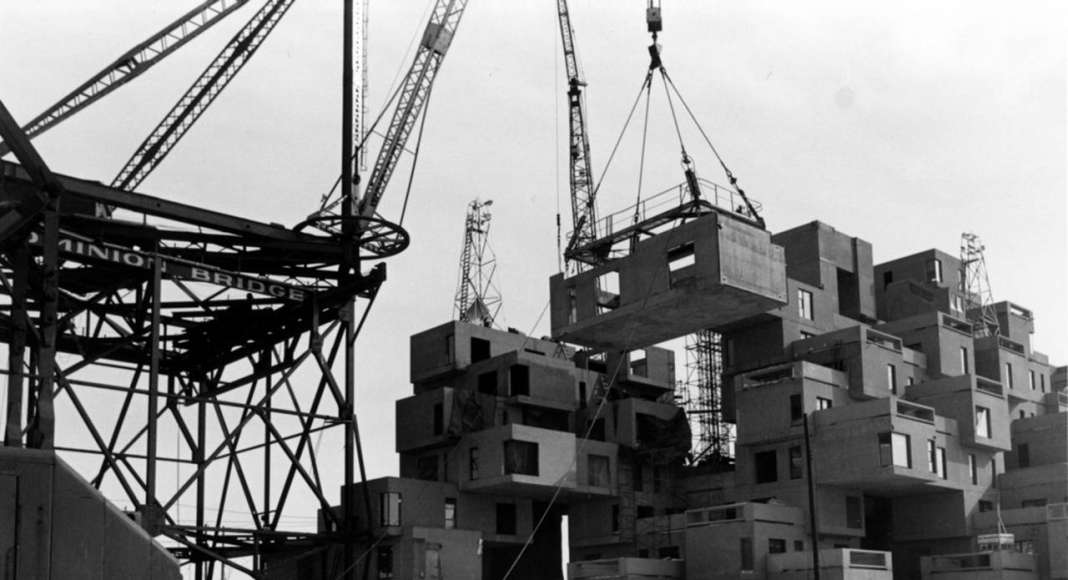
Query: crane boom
pixel 131 64
pixel 201 94
pixel 413 96
pixel 583 209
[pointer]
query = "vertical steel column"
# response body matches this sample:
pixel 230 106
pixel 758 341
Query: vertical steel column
pixel 42 429
pixel 153 395
pixel 348 262
pixel 198 456
pixel 265 362
pixel 16 355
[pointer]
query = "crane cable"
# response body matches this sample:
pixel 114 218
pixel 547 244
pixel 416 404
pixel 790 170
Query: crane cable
pixel 648 87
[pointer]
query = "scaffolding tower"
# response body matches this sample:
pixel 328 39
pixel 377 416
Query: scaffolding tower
pixel 703 403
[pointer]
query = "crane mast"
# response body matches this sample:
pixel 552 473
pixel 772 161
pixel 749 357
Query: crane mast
pixel 583 209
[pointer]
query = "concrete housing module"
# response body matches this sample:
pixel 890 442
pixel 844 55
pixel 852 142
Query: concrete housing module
pixel 929 453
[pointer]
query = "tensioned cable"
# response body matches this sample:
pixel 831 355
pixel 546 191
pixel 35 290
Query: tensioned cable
pixel 645 135
pixel 619 139
pixel 726 170
pixel 674 118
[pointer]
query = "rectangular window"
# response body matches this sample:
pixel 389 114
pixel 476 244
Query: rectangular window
pixel 520 457
pixel 932 460
pixel 796 410
pixel 426 468
pixel 776 546
pixel 746 548
pixel 804 304
pixel 964 360
pixel 934 270
pixel 480 349
pixel 940 463
pixel 973 469
pixel 1033 502
pixel 385 562
pixel 795 462
pixel 891 378
pixel 986 505
pixel 1031 379
pixel 472 463
pixel 766 463
pixel 450 348
pixel 582 394
pixel 615 517
pixel 854 513
pixel 1042 382
pixel 888 277
pixel 599 475
pixel 680 259
pixel 902 450
pixel 1008 375
pixel 450 513
pixel 389 507
pixel 823 403
pixel 1023 455
pixel 506 520
pixel 487 383
pixel 607 292
pixel 909 381
pixel 668 553
pixel 982 422
pixel 439 419
pixel 894 449
pixel 519 376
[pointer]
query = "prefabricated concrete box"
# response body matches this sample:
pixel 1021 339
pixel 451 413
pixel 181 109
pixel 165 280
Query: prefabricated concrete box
pixel 706 273
pixel 54 525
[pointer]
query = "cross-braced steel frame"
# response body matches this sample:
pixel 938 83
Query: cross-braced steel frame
pixel 194 359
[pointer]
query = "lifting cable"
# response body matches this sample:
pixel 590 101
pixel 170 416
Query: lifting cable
pixel 648 86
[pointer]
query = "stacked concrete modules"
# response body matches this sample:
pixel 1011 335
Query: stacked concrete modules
pixel 872 428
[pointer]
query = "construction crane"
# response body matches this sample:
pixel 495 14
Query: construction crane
pixel 131 64
pixel 975 285
pixel 222 69
pixel 583 208
pixel 477 298
pixel 413 97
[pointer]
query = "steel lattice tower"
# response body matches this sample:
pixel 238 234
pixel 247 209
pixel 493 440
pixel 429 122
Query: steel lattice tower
pixel 975 283
pixel 477 298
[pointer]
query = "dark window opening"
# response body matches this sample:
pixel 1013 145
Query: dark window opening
pixel 888 277
pixel 480 349
pixel 1023 455
pixel 597 431
pixel 450 348
pixel 439 419
pixel 854 514
pixel 766 463
pixel 600 471
pixel 670 552
pixel 681 260
pixel 615 517
pixel 385 562
pixel 519 376
pixel 506 520
pixel 607 292
pixel 427 468
pixel 799 545
pixel 796 409
pixel 582 394
pixel 986 506
pixel 646 511
pixel 848 294
pixel 487 383
pixel 795 462
pixel 776 546
pixel 520 457
pixel 547 418
pixel 746 549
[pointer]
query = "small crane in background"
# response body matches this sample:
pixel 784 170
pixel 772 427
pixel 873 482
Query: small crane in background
pixel 477 297
pixel 975 285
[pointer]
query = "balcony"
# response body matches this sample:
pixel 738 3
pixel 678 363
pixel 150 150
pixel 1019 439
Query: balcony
pixel 976 403
pixel 626 569
pixel 996 564
pixel 706 273
pixel 843 563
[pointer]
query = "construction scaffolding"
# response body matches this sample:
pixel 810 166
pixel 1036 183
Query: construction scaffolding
pixel 703 399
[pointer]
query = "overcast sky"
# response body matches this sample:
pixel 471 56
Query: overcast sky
pixel 903 123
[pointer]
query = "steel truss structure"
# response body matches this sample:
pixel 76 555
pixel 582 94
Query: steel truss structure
pixel 194 359
pixel 713 435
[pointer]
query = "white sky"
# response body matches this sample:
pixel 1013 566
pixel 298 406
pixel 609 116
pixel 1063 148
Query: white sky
pixel 903 123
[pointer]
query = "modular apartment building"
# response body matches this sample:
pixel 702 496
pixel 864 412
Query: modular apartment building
pixel 873 429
